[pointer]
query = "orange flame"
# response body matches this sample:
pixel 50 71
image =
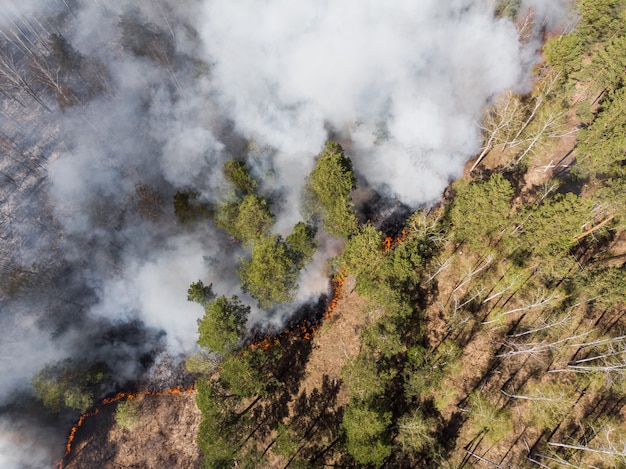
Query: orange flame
pixel 303 331
pixel 391 242
pixel 110 400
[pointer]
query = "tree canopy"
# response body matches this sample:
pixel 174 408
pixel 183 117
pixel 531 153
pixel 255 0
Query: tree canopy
pixel 480 209
pixel 223 324
pixel 198 292
pixel 247 219
pixel 69 384
pixel 237 174
pixel 270 274
pixel 328 188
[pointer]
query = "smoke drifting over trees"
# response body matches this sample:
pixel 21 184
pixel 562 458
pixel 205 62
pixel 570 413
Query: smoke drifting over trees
pixel 110 108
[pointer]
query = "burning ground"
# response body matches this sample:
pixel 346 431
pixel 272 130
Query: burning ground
pixel 110 109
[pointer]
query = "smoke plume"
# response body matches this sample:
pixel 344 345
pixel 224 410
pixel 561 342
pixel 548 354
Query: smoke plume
pixel 110 108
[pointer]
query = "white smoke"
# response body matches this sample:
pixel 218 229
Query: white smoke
pixel 554 13
pixel 402 84
pixel 421 72
pixel 154 290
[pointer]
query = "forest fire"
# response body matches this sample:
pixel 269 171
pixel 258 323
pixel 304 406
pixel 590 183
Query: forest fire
pixel 304 330
pixel 390 241
pixel 116 398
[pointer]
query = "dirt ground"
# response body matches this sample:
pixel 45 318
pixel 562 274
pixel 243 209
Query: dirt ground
pixel 164 437
pixel 336 341
pixel 165 434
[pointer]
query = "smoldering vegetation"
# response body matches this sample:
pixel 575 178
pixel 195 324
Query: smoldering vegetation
pixel 108 109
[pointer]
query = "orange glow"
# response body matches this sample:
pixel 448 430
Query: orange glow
pixel 390 242
pixel 306 330
pixel 110 400
pixel 303 331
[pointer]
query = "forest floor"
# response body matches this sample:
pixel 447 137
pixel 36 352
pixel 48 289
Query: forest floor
pixel 164 436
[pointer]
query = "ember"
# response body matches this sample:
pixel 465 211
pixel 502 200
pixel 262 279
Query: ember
pixel 303 330
pixel 391 242
pixel 110 400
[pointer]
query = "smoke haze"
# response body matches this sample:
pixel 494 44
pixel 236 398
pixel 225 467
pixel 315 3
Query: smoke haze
pixel 152 99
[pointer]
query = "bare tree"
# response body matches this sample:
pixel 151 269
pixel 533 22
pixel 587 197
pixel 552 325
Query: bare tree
pixel 548 128
pixel 441 266
pixel 541 299
pixel 12 73
pixel 607 440
pixel 609 356
pixel 498 122
pixel 537 348
pixel 474 270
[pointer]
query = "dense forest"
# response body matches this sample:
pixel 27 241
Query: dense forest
pixel 340 310
pixel 489 327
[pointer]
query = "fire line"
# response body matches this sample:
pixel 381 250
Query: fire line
pixel 304 331
pixel 110 400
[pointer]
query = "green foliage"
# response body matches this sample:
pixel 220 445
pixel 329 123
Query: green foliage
pixel 388 278
pixel 602 147
pixel 550 229
pixel 237 174
pixel 226 405
pixel 188 208
pixel 254 219
pixel 564 53
pixel 486 418
pixel 68 384
pixel 364 378
pixel 302 244
pixel 417 433
pixel 612 197
pixel 605 286
pixel 480 211
pixel 426 370
pixel 606 68
pixel 387 335
pixel 599 18
pixel 128 414
pixel 406 259
pixel 200 293
pixel 243 375
pixel 270 274
pixel 367 436
pixel 327 192
pixel 247 219
pixel 217 437
pixel 223 324
pixel 286 442
pixel 550 402
pixel 362 257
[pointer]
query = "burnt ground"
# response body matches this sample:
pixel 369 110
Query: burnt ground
pixel 164 437
pixel 165 434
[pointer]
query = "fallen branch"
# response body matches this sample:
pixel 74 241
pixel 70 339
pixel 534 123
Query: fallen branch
pixel 597 227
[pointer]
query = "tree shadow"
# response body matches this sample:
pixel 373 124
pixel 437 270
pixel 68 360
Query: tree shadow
pixel 450 431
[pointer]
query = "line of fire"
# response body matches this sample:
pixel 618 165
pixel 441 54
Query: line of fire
pixel 302 328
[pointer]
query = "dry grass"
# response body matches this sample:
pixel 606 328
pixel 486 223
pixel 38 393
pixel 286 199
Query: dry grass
pixel 337 340
pixel 163 437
